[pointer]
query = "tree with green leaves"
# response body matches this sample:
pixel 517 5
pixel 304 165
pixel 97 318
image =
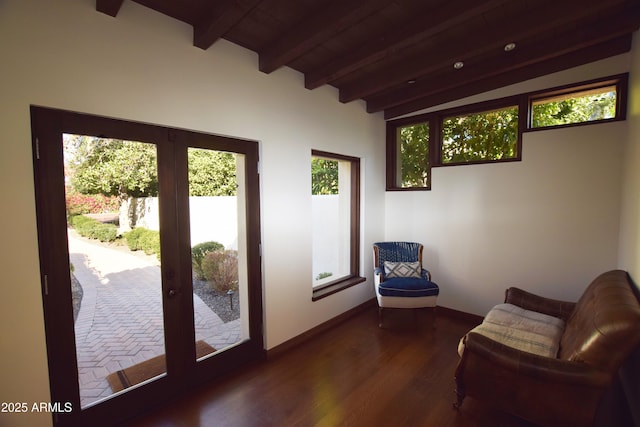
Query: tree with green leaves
pixel 129 169
pixel 579 109
pixel 324 176
pixel 489 135
pixel 414 148
pixel 211 173
pixel 112 167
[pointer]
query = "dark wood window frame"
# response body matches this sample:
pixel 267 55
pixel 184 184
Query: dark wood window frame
pixel 353 278
pixel 482 107
pixel 523 101
pixel 620 81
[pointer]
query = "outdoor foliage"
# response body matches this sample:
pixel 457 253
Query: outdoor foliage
pixel 221 269
pixel 92 229
pixel 211 173
pixel 574 109
pixel 126 169
pixel 324 176
pixel 324 275
pixel 143 239
pixel 414 149
pixel 482 136
pixel 78 204
pixel 198 253
pixel 112 167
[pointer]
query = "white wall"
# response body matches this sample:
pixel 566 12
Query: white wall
pixel 142 66
pixel 630 229
pixel 548 224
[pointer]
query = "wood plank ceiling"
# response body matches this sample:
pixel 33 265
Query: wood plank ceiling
pixel 399 55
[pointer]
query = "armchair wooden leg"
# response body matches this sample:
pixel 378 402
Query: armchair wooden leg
pixel 380 317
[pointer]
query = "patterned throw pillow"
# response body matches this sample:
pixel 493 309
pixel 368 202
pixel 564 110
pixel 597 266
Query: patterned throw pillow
pixel 402 269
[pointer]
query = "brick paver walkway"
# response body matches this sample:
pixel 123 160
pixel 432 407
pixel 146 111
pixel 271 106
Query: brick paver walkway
pixel 120 320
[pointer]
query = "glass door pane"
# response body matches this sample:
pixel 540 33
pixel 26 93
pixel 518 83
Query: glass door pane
pixel 218 249
pixel 114 242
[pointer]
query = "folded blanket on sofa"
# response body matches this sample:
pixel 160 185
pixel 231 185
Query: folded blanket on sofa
pixel 525 330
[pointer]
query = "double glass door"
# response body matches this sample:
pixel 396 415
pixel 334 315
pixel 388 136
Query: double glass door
pixel 149 252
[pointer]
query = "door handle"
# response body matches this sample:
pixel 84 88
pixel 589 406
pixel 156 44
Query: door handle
pixel 172 293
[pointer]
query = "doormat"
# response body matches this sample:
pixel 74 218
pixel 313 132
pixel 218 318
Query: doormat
pixel 153 367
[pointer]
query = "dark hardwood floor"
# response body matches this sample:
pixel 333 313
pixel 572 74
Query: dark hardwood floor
pixel 354 374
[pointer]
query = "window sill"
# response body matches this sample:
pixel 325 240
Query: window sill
pixel 337 286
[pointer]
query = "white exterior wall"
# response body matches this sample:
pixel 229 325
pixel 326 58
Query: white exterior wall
pixel 326 229
pixel 212 218
pixel 216 219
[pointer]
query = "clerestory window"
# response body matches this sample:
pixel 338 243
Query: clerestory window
pixel 491 131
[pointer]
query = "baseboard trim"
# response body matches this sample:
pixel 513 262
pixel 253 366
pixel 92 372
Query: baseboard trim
pixel 329 324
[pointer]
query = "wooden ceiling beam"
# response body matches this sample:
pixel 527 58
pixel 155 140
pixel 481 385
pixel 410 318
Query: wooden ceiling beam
pixel 315 29
pixel 223 16
pixel 109 7
pixel 431 21
pixel 576 58
pixel 459 47
pixel 557 45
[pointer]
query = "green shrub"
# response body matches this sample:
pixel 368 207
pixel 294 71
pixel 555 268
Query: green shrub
pixel 221 269
pixel 105 232
pixel 133 238
pixel 324 275
pixel 150 242
pixel 143 239
pixel 92 229
pixel 197 255
pixel 77 221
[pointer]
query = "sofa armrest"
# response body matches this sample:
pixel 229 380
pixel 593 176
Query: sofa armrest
pixel 533 302
pixel 547 391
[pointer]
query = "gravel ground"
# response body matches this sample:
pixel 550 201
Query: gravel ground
pixel 76 292
pixel 218 302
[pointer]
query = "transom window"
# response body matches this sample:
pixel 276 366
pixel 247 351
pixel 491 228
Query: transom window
pixel 574 107
pixel 491 132
pixel 479 137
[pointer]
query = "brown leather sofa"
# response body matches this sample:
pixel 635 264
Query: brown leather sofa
pixel 602 329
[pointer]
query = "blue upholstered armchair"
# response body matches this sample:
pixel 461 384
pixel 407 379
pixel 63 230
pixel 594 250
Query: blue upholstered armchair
pixel 400 280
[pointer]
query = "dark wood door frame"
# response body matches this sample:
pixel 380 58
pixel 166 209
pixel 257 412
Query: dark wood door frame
pixel 48 125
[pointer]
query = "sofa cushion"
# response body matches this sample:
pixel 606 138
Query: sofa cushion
pixel 408 287
pixel 521 329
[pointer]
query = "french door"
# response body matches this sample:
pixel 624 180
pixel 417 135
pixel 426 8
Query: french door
pixel 162 291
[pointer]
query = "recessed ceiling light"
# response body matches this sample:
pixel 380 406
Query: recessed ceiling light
pixel 412 81
pixel 458 65
pixel 509 47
